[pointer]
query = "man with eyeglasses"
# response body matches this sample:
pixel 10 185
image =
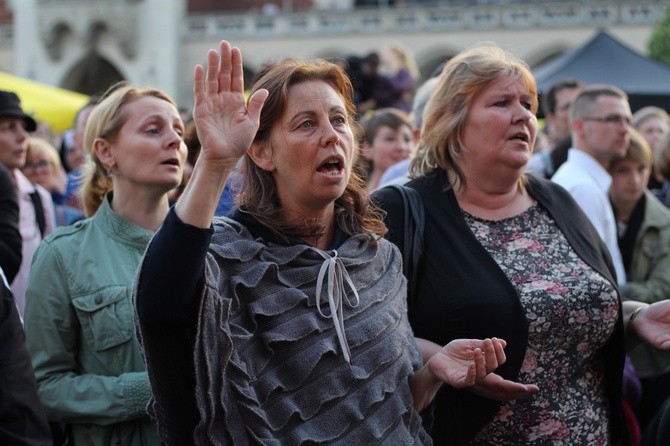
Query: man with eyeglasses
pixel 600 121
pixel 36 211
pixel 556 102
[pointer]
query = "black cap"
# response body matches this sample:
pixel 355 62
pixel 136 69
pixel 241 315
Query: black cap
pixel 10 105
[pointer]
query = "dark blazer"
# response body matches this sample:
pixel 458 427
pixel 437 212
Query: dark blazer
pixel 10 237
pixel 23 420
pixel 463 293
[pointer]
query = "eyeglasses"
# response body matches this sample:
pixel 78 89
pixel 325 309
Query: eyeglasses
pixel 612 120
pixel 38 165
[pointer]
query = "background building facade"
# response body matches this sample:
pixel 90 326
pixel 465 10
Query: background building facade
pixel 86 45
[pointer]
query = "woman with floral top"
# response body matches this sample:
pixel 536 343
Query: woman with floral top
pixel 515 257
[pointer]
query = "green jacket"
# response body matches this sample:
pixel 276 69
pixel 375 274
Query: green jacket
pixel 649 279
pixel 79 325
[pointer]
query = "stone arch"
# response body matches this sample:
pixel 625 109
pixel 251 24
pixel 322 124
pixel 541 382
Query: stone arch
pixel 93 74
pixel 94 33
pixel 54 39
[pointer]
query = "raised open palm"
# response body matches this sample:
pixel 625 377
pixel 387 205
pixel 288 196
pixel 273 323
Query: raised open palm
pixel 226 124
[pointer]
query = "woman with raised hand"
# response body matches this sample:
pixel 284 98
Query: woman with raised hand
pixel 79 316
pixel 285 323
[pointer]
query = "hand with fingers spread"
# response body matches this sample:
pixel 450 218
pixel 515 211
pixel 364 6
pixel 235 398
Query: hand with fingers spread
pixel 226 126
pixel 226 123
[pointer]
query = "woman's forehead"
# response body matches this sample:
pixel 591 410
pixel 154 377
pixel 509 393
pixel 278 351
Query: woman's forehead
pixel 312 97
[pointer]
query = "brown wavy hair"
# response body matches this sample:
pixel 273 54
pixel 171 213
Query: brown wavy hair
pixel 354 212
pixel 105 122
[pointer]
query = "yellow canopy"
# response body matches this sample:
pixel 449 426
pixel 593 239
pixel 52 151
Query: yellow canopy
pixel 55 106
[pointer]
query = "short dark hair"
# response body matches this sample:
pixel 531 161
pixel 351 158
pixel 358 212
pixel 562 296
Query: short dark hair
pixel 549 96
pixel 590 94
pixel 384 117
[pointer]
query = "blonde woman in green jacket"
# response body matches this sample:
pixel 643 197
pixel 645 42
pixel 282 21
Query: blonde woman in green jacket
pixel 79 318
pixel 644 240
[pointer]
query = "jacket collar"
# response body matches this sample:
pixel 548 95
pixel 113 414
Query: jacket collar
pixel 656 214
pixel 119 228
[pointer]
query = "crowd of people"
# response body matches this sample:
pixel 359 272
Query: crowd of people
pixel 237 277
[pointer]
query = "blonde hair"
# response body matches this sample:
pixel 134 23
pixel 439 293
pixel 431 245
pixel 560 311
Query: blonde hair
pixel 406 58
pixel 105 122
pixel 445 117
pixel 38 145
pixel 650 111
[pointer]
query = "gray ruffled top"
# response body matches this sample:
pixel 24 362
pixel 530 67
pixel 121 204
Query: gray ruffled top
pixel 295 345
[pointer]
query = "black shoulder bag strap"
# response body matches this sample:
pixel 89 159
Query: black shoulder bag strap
pixel 414 222
pixel 39 211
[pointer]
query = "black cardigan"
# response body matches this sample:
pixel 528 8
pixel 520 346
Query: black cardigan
pixel 462 293
pixel 10 237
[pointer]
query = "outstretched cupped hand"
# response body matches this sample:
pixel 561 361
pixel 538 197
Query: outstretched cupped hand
pixel 495 387
pixel 226 123
pixel 653 324
pixel 464 362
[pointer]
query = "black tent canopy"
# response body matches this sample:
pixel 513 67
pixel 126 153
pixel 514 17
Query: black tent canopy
pixel 603 59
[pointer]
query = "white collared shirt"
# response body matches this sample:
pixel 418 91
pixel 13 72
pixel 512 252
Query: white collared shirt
pixel 588 182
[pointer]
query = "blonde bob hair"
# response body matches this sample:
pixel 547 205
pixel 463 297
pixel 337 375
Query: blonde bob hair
pixel 445 117
pixel 40 146
pixel 105 122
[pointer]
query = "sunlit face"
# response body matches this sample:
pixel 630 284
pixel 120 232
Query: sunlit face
pixel 390 146
pixel 311 148
pixel 149 151
pixel 500 128
pixel 13 142
pixel 653 129
pixel 629 181
pixel 39 169
pixel 559 122
pixel 605 131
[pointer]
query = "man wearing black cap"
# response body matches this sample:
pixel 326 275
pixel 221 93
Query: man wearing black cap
pixel 36 211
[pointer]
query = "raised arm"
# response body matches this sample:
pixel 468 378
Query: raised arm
pixel 174 260
pixel 226 128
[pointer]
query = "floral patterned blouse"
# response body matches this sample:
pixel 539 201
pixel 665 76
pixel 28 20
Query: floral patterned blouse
pixel 572 311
